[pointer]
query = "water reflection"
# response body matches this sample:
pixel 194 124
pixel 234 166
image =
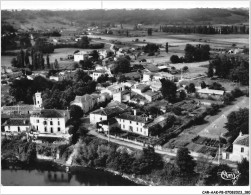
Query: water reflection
pixel 76 177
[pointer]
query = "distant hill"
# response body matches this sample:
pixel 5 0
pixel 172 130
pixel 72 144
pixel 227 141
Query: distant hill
pixel 41 19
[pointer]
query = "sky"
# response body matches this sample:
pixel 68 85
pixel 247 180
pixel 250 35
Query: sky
pixel 80 5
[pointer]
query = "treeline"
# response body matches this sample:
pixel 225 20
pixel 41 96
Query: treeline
pixel 142 16
pixel 241 29
pixel 196 53
pixel 233 68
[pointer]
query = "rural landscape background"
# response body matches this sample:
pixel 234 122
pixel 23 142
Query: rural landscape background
pixel 181 73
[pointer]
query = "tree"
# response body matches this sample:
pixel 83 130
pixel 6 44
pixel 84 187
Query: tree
pixel 174 59
pixel 76 112
pixel 86 64
pixel 210 72
pixel 122 66
pixel 151 48
pixel 43 46
pixel 228 98
pixel 185 162
pixel 191 88
pixel 236 121
pixel 243 168
pixel 166 47
pixel 185 68
pixel 56 66
pixel 95 55
pixel 182 94
pixel 203 85
pixel 168 89
pixel 14 62
pixel 83 42
pixel 48 61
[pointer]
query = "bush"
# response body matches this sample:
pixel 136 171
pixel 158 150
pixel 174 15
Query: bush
pixel 236 92
pixel 174 59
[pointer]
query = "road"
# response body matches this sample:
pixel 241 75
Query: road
pixel 138 147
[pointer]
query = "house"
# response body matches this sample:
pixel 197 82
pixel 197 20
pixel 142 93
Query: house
pixel 206 93
pixel 149 76
pixel 97 74
pixel 122 96
pixel 113 89
pixel 103 114
pixel 140 88
pixel 151 68
pixel 86 102
pixel 239 149
pixel 151 95
pixel 50 121
pixel 133 123
pixel 16 125
pixel 107 125
pixel 81 56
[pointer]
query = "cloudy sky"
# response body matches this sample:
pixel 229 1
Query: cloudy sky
pixel 79 5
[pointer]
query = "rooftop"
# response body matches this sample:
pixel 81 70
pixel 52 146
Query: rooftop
pixel 242 140
pixel 130 117
pixel 22 108
pixel 17 122
pixel 108 111
pixel 211 91
pixel 151 68
pixel 109 121
pixel 51 113
pixel 151 93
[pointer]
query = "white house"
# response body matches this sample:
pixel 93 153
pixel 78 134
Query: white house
pixel 97 74
pixel 16 125
pixel 80 56
pixel 50 121
pixel 205 93
pixel 133 123
pixel 239 150
pixel 104 114
pixel 149 76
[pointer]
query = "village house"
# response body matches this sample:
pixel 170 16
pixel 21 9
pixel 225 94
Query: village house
pixel 50 121
pixel 122 96
pixel 206 93
pixel 104 114
pixel 133 123
pixel 239 149
pixel 149 76
pixel 86 102
pixel 145 91
pixel 113 89
pixel 14 125
pixel 81 56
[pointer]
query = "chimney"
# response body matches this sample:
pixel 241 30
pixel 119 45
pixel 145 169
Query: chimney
pixel 240 134
pixel 134 112
pixel 101 108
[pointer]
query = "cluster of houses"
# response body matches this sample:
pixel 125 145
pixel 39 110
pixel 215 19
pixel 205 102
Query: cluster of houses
pixel 34 120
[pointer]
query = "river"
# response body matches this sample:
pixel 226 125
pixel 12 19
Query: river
pixel 51 176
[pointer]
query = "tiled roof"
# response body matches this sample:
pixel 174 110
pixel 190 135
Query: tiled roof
pixel 108 111
pixel 130 117
pixel 151 68
pixel 141 86
pixel 51 113
pixel 17 122
pixel 116 104
pixel 242 140
pixel 22 108
pixel 15 116
pixel 211 91
pixel 110 121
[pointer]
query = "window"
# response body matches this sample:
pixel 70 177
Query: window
pixel 137 123
pixel 45 122
pixel 227 155
pixel 123 126
pixel 242 149
pixel 58 122
pixel 51 130
pixel 18 129
pixel 51 123
pixel 130 122
pixel 37 121
pixel 45 129
pixel 141 130
pixel 58 128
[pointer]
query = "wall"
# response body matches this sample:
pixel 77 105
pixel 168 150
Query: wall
pixel 94 118
pixel 132 126
pixel 38 124
pixel 15 128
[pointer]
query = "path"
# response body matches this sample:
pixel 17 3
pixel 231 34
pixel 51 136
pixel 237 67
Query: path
pixel 73 154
